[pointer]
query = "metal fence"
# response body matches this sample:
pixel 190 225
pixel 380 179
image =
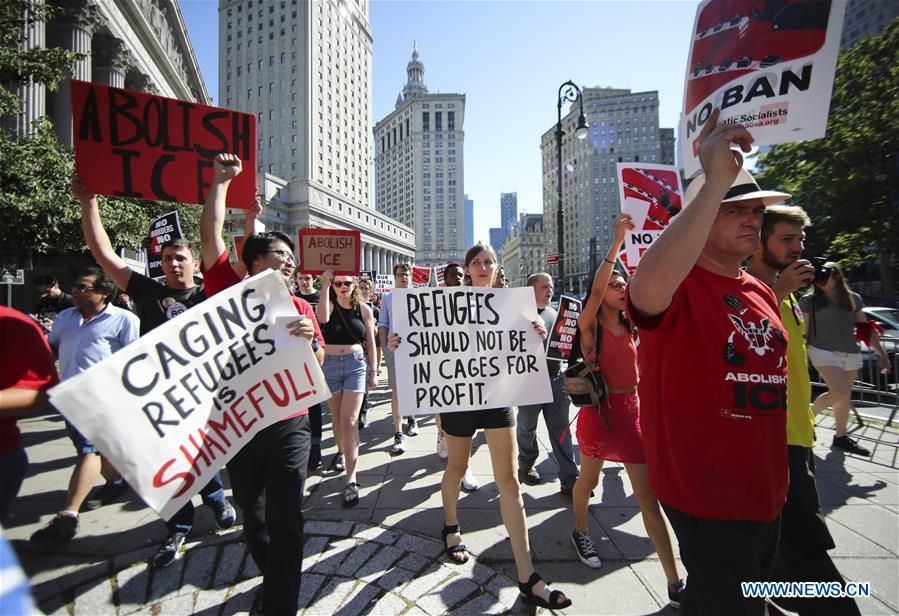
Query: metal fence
pixel 872 389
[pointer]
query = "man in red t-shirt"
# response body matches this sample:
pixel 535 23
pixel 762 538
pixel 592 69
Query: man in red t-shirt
pixel 713 381
pixel 269 473
pixel 27 370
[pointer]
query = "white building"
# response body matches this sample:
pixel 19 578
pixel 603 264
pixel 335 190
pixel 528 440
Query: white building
pixel 524 252
pixel 419 167
pixel 304 69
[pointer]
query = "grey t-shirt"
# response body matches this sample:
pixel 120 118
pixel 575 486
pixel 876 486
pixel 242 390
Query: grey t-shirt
pixel 831 328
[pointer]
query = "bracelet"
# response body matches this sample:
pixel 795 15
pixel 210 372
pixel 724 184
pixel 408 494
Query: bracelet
pixel 607 261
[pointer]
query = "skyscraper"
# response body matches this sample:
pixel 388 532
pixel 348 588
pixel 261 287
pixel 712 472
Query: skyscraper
pixel 469 222
pixel 304 69
pixel 508 209
pixel 419 167
pixel 864 17
pixel 624 126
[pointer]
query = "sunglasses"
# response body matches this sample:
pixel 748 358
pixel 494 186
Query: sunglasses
pixel 342 283
pixel 82 287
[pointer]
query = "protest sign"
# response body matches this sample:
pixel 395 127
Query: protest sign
pixel 440 274
pixel 369 274
pixel 768 66
pixel 169 410
pixel 164 229
pixel 468 348
pixel 330 249
pixel 421 276
pixel 383 283
pixel 561 337
pixel 134 144
pixel 652 195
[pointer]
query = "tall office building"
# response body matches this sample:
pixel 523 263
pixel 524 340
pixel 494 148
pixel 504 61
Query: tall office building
pixel 624 126
pixel 469 222
pixel 419 167
pixel 864 17
pixel 508 209
pixel 304 69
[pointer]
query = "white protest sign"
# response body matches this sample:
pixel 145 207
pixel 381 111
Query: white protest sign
pixel 652 195
pixel 467 348
pixel 383 283
pixel 768 66
pixel 169 410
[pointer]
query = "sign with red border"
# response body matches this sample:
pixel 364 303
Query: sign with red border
pixel 330 249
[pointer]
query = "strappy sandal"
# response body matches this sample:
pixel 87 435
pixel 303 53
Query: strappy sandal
pixel 338 464
pixel 351 494
pixel 528 596
pixel 454 549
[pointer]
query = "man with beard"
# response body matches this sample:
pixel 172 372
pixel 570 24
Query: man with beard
pixel 804 537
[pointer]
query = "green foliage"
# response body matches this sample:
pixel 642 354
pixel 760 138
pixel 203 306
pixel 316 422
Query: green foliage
pixel 849 180
pixel 39 212
pixel 46 65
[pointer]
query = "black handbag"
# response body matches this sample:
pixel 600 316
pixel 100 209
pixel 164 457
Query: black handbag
pixel 584 385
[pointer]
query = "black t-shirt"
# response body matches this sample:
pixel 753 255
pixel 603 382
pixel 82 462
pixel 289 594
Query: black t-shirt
pixel 49 307
pixel 156 303
pixel 312 298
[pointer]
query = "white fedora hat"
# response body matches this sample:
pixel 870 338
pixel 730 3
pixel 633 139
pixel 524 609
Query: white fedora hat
pixel 743 189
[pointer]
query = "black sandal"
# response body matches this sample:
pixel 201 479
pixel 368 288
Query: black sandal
pixel 528 596
pixel 454 549
pixel 351 494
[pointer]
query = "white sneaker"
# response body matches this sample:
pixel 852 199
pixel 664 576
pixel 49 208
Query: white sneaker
pixel 441 446
pixel 469 483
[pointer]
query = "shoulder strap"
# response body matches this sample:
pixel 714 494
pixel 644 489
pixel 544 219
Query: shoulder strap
pixel 339 311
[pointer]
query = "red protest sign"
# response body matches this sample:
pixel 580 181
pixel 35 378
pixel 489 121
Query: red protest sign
pixel 330 249
pixel 133 144
pixel 421 276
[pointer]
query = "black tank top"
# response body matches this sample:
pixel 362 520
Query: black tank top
pixel 335 330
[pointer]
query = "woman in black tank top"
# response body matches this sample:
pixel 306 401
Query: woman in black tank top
pixel 348 328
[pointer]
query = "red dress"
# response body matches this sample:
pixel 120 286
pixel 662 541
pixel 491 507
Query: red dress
pixel 619 440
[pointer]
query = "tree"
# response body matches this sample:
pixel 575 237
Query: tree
pixel 46 65
pixel 848 181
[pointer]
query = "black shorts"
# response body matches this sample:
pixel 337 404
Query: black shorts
pixel 466 423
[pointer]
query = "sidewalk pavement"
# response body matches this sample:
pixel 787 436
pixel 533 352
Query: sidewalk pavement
pixel 385 555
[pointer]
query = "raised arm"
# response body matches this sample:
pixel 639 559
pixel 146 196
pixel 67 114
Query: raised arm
pixel 604 273
pixel 96 237
pixel 674 253
pixel 226 167
pixel 249 228
pixel 323 309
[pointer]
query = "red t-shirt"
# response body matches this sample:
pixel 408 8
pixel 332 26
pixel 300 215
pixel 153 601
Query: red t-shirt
pixel 713 398
pixel 221 276
pixel 27 363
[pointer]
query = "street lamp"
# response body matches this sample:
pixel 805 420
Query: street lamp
pixel 568 93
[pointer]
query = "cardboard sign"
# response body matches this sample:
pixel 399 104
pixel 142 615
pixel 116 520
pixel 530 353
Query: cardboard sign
pixel 169 410
pixel 561 337
pixel 134 144
pixel 652 195
pixel 768 66
pixel 164 229
pixel 238 247
pixel 421 276
pixel 330 249
pixel 468 348
pixel 383 283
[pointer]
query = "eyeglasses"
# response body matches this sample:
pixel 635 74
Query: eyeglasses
pixel 616 285
pixel 282 254
pixel 343 283
pixel 82 287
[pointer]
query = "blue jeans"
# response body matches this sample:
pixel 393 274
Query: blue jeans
pixel 213 495
pixel 555 415
pixel 13 465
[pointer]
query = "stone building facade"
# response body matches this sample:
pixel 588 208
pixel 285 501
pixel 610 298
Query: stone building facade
pixel 524 252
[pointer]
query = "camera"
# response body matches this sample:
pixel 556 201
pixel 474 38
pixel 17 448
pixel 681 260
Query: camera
pixel 822 271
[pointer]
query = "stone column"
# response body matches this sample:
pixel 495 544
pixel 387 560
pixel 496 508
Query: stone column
pixel 32 96
pixel 366 256
pixel 382 261
pixel 140 82
pixel 74 33
pixel 111 60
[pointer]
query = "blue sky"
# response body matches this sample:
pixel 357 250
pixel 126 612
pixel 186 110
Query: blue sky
pixel 509 59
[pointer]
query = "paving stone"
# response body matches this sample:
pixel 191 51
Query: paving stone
pixel 482 604
pixel 332 595
pixel 330 561
pixel 361 601
pixel 376 534
pixel 249 570
pixel 447 595
pixel 419 545
pixel 181 604
pixel 379 563
pixel 356 559
pixel 95 598
pixel 166 581
pixel 394 578
pixel 504 589
pixel 426 582
pixel 323 527
pixel 312 551
pixel 414 562
pixel 308 587
pixel 475 571
pixel 131 585
pixel 242 596
pixel 210 601
pixel 389 604
pixel 198 569
pixel 229 564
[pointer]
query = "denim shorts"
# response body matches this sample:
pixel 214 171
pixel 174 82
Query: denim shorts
pixel 82 445
pixel 345 372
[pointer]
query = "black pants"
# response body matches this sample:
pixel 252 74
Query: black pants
pixel 718 555
pixel 268 477
pixel 315 424
pixel 804 541
pixel 212 493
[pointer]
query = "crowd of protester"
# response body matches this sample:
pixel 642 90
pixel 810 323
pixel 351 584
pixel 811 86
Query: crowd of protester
pixel 703 352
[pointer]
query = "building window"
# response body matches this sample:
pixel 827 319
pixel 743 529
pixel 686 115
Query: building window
pixel 450 120
pixel 425 119
pixel 438 121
